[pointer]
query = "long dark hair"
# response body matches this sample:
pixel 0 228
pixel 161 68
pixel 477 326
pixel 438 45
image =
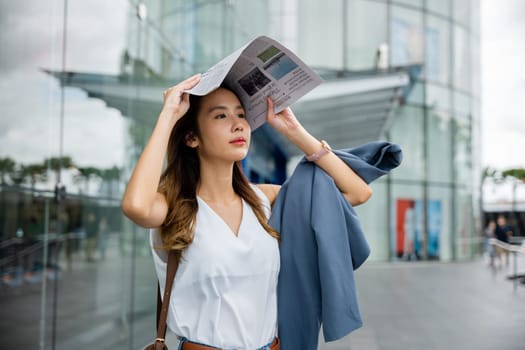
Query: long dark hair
pixel 179 183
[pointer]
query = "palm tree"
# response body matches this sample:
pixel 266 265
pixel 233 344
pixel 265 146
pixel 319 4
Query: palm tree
pixel 517 173
pixel 487 173
pixel 57 164
pixel 86 174
pixel 110 175
pixel 35 173
pixel 517 176
pixel 7 167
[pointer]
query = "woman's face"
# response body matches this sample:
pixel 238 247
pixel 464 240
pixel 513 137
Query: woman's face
pixel 223 128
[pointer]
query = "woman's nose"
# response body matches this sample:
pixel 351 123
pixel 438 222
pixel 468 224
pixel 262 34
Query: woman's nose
pixel 238 124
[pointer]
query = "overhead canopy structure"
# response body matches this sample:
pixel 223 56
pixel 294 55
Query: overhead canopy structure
pixel 349 108
pixel 139 99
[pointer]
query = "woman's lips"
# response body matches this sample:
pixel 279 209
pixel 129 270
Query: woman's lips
pixel 238 141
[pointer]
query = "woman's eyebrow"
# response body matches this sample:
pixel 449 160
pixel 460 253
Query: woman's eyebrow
pixel 221 107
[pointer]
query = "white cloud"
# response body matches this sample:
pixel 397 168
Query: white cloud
pixel 93 133
pixel 97 35
pixel 31 39
pixel 31 34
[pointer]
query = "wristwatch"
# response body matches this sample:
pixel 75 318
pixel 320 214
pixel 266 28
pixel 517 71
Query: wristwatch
pixel 325 149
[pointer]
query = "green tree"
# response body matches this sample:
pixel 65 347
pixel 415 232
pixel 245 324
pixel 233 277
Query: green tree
pixel 487 173
pixel 58 163
pixel 517 176
pixel 517 173
pixel 496 177
pixel 55 163
pixel 35 173
pixel 7 167
pixel 86 174
pixel 18 175
pixel 110 175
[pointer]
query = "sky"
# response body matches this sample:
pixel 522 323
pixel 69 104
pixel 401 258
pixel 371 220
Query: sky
pixel 30 31
pixel 503 83
pixel 31 39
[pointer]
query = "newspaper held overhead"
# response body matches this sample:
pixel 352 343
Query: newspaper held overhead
pixel 259 69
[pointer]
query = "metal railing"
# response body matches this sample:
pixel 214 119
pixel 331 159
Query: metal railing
pixel 19 256
pixel 515 250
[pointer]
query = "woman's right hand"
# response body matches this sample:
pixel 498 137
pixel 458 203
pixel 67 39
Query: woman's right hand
pixel 176 101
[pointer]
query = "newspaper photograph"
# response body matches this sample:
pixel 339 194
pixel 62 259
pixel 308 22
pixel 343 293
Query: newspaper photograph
pixel 259 69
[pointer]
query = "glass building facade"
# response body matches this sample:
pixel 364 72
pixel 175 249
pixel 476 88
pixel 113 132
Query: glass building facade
pixel 75 272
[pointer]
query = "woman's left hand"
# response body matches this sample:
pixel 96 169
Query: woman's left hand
pixel 355 190
pixel 284 122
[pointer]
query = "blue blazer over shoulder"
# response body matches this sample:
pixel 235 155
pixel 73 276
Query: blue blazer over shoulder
pixel 322 243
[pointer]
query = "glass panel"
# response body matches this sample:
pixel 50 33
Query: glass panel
pixel 152 39
pixel 196 35
pixel 416 95
pixel 177 23
pixel 475 17
pixel 69 270
pixel 439 208
pixel 376 229
pixel 323 21
pixel 30 102
pixel 409 121
pixel 94 278
pixel 462 59
pixel 366 29
pixel 418 3
pixel 477 167
pixel 210 35
pixel 97 271
pixel 407 221
pixel 476 66
pixel 463 164
pixel 439 146
pixel 462 11
pixel 461 103
pixel 439 6
pixel 246 25
pixel 407 36
pixel 463 154
pixel 476 109
pixel 437 64
pixel 464 230
pixel 438 97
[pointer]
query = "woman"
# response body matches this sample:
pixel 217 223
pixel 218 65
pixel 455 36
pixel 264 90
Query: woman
pixel 224 293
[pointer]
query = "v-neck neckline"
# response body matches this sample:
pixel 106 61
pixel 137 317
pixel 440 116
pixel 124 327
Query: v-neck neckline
pixel 235 235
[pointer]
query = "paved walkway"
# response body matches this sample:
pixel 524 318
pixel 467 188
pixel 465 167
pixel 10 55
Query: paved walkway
pixel 408 306
pixel 437 306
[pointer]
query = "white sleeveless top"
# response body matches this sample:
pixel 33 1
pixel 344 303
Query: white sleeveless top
pixel 225 289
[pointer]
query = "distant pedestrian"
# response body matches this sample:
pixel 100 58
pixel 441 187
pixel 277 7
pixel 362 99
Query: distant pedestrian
pixel 91 229
pixel 490 232
pixel 103 236
pixel 503 233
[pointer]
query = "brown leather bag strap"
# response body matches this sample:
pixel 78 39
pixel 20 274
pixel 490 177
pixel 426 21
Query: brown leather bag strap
pixel 159 305
pixel 162 306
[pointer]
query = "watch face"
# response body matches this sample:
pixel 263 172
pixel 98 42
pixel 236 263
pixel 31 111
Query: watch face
pixel 326 145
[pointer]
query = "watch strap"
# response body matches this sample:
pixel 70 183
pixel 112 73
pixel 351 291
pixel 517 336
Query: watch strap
pixel 325 149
